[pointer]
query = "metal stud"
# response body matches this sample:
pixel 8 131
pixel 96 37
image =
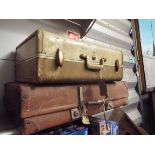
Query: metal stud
pixel 133 50
pixel 130 33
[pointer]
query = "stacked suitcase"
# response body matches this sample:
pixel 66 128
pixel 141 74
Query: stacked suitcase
pixel 57 77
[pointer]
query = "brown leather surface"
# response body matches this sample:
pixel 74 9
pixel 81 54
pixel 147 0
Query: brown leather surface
pixel 37 123
pixel 29 100
pixel 117 90
pixel 91 93
pixel 117 94
pixel 119 102
pixel 94 109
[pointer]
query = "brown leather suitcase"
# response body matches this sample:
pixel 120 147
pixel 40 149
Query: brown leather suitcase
pixel 35 108
pixel 45 57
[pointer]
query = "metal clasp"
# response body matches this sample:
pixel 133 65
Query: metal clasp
pixel 75 113
pixel 59 58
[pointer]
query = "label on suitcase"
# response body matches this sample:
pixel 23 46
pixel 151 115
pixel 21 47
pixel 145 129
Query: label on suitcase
pixel 45 57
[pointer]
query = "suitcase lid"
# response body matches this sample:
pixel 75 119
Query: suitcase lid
pixel 48 45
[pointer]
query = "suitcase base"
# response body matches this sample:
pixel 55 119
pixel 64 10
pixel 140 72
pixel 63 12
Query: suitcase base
pixel 38 123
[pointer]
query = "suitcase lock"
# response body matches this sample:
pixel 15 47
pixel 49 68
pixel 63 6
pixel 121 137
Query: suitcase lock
pixel 75 113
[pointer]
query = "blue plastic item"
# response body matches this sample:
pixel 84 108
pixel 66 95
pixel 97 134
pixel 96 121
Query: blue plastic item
pixel 75 131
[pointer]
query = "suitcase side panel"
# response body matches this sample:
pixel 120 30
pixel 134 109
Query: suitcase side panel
pixel 24 100
pixel 117 90
pixel 30 47
pixel 38 123
pixel 40 70
pixel 73 71
pixel 27 50
pixel 38 100
pixel 27 71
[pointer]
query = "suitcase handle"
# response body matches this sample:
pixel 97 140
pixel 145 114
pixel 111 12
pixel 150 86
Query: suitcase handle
pixel 91 65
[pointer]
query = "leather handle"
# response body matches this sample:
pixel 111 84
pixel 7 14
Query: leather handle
pixel 91 65
pixel 103 101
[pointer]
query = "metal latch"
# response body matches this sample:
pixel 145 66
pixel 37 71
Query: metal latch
pixel 75 113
